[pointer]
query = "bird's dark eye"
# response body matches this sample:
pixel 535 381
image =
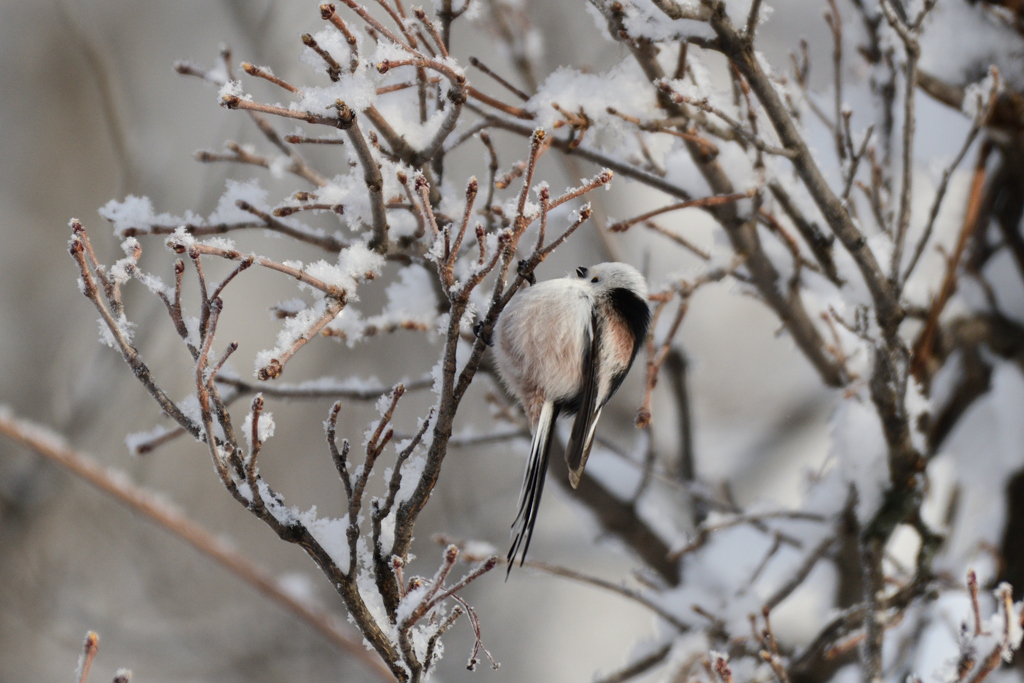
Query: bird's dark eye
pixel 594 280
pixel 581 271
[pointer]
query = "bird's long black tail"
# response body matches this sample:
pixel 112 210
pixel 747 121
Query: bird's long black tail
pixel 533 485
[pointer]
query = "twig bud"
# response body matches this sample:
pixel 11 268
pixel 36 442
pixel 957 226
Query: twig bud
pixel 271 370
pixel 346 115
pixel 451 553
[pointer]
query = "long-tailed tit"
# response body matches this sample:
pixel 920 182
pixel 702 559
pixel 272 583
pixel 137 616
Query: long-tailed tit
pixel 564 347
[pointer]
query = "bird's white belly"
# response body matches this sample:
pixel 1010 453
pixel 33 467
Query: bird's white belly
pixel 540 341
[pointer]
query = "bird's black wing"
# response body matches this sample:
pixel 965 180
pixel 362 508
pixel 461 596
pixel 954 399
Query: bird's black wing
pixel 533 485
pixel 582 436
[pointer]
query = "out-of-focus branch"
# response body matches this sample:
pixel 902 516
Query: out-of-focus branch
pixel 887 307
pixel 616 588
pixel 617 516
pixel 656 355
pixel 948 94
pixel 299 165
pixel 740 229
pixel 923 346
pixel 912 50
pixel 940 192
pixel 638 667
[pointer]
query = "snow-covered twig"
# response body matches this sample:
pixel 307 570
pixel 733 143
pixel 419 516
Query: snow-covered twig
pixel 79 242
pixel 89 649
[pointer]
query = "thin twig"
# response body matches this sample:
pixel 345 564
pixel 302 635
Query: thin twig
pixel 274 368
pixel 511 88
pixel 800 575
pixel 703 202
pixel 89 649
pixel 262 72
pixel 619 589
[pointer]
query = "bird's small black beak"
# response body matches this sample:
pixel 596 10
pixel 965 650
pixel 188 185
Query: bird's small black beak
pixel 582 271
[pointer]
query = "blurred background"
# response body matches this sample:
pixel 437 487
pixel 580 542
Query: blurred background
pixel 91 111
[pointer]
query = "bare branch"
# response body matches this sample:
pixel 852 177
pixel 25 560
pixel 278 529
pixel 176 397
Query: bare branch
pixel 261 72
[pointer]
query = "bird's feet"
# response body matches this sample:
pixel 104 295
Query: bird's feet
pixel 481 334
pixel 526 272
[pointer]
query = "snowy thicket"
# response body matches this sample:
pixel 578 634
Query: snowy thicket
pixel 895 274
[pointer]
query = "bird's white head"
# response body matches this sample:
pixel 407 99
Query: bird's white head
pixel 605 277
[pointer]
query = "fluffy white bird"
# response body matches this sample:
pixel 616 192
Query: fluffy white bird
pixel 563 347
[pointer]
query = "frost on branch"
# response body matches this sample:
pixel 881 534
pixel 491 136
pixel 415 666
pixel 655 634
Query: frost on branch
pixel 890 270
